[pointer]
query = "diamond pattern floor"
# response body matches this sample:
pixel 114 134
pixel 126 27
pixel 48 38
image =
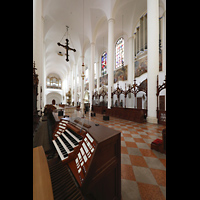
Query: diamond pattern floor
pixel 143 171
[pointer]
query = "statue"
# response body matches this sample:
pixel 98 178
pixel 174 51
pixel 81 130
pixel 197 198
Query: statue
pixel 68 95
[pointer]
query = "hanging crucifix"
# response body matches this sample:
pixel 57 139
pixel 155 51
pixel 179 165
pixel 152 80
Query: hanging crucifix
pixel 66 47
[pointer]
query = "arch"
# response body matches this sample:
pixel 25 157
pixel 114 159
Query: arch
pixel 53 95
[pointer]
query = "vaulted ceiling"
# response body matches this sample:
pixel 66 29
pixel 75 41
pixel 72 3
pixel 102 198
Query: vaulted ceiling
pixel 92 28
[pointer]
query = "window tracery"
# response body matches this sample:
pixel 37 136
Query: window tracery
pixel 119 53
pixel 104 63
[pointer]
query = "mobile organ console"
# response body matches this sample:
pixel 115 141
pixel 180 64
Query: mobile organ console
pixel 91 155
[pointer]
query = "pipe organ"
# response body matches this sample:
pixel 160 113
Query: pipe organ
pixel 89 156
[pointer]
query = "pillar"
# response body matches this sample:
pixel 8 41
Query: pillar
pixel 38 48
pixel 130 60
pixel 110 58
pixel 91 82
pixel 97 70
pixel 153 57
pixel 75 85
pixel 82 85
pixel 164 48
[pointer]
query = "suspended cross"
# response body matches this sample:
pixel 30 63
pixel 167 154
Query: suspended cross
pixel 67 48
pixel 67 45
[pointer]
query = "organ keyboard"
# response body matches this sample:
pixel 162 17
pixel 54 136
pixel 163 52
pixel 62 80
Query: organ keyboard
pixel 91 155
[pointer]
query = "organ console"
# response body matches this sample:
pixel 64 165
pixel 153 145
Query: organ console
pixel 91 154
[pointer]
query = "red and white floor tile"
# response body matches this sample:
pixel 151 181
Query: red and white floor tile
pixel 143 171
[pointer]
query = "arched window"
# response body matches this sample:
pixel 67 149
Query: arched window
pixel 104 64
pixel 119 53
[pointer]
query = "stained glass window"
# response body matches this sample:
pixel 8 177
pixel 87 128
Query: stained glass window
pixel 104 64
pixel 119 53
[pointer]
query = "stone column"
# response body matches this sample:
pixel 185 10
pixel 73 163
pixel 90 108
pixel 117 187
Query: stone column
pixel 97 65
pixel 110 58
pixel 82 85
pixel 130 60
pixel 91 82
pixel 164 47
pixel 153 57
pixel 38 48
pixel 75 84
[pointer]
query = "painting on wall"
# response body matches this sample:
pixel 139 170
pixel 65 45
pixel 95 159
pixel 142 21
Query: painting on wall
pixel 121 74
pixel 104 80
pixel 160 60
pixel 140 66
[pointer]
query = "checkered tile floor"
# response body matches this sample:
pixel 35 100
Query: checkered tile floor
pixel 143 171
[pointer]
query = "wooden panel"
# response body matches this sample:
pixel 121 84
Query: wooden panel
pixel 42 188
pixel 131 114
pixel 99 109
pixel 139 102
pixel 162 117
pixel 104 177
pixel 162 102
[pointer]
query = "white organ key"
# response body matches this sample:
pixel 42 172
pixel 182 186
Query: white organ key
pixel 68 140
pixel 85 158
pixel 73 136
pixel 89 144
pixel 58 150
pixel 63 144
pixel 66 122
pixel 83 154
pixel 89 137
pixel 92 149
pixel 78 165
pixel 80 157
pixel 76 160
pixel 58 132
pixel 61 127
pixel 62 124
pixel 86 150
pixel 84 146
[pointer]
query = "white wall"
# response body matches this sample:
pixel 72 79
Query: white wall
pixel 54 94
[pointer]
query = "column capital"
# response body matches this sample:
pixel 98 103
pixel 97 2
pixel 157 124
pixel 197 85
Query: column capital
pixel 111 20
pixel 131 37
pixel 92 43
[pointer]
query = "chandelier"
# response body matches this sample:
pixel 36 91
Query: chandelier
pixel 66 46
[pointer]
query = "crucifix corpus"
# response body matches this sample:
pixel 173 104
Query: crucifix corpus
pixel 67 48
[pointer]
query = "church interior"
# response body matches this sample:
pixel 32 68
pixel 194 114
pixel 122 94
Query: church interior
pixel 99 99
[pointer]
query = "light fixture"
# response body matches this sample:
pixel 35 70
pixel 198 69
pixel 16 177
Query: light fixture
pixel 60 53
pixel 66 46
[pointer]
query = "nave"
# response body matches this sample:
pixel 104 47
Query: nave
pixel 143 171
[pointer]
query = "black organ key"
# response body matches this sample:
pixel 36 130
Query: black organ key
pixel 67 143
pixel 65 154
pixel 75 134
pixel 71 138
